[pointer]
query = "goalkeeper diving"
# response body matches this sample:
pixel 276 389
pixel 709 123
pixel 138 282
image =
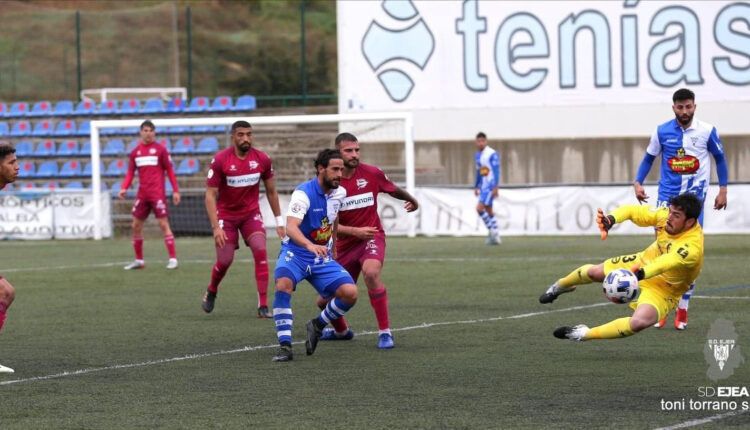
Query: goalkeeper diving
pixel 664 270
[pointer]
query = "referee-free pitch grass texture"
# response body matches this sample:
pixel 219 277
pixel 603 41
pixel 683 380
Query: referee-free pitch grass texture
pixel 474 348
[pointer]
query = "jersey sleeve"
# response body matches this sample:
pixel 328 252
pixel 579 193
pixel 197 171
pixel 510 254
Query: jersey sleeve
pixel 642 216
pixel 130 173
pixel 299 204
pixel 215 176
pixel 268 170
pixel 654 146
pixel 168 166
pixel 384 183
pixel 680 254
pixel 495 165
pixel 717 150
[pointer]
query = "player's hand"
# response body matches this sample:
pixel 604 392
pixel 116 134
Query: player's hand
pixel 495 192
pixel 365 233
pixel 605 222
pixel 121 193
pixel 636 269
pixel 176 198
pixel 721 199
pixel 318 250
pixel 411 206
pixel 640 193
pixel 476 191
pixel 220 237
pixel 280 231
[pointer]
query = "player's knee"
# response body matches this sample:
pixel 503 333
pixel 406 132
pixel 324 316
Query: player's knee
pixel 596 273
pixel 372 277
pixel 7 292
pixel 640 323
pixel 348 293
pixel 284 285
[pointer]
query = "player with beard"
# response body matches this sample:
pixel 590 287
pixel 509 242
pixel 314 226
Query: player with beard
pixel 8 174
pixel 684 144
pixel 233 207
pixel 361 247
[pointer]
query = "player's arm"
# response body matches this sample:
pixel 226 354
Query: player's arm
pixel 477 179
pixel 212 196
pixel 169 168
pixel 361 233
pixel 495 163
pixel 641 216
pixel 273 200
pixel 128 177
pixel 679 255
pixel 411 203
pixel 653 149
pixel 717 150
pixel 334 238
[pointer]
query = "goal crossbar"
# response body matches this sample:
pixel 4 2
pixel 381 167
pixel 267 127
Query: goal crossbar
pixel 97 125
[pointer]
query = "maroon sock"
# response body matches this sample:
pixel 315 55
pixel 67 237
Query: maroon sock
pixel 169 243
pixel 138 247
pixel 261 276
pixel 379 303
pixel 3 308
pixel 224 257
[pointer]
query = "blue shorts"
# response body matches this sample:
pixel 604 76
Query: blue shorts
pixel 486 197
pixel 326 276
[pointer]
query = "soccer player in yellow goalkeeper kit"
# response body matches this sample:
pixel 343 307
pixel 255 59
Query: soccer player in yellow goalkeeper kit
pixel 665 269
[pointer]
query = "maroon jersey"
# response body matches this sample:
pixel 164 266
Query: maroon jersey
pixel 360 207
pixel 238 181
pixel 152 162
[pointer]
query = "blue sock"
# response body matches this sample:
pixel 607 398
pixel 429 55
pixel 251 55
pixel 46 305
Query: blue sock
pixel 685 299
pixel 282 316
pixel 335 309
pixel 489 221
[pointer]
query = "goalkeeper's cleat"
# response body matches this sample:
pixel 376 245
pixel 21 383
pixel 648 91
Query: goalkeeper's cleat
pixel 330 334
pixel 135 265
pixel 575 333
pixel 263 312
pixel 4 369
pixel 208 302
pixel 385 341
pixel 553 292
pixel 680 319
pixel 172 264
pixel 661 323
pixel 284 353
pixel 313 335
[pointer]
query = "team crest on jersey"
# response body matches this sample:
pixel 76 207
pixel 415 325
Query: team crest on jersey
pixel 694 139
pixel 253 164
pixel 683 164
pixel 322 234
pixel 361 183
pixel 152 151
pixel 484 171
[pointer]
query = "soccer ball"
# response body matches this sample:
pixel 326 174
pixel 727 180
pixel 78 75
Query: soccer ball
pixel 620 286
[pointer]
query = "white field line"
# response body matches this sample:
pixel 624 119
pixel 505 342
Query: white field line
pixel 259 347
pixel 700 421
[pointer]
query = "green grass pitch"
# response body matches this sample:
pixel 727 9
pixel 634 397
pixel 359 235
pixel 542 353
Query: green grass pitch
pixel 474 348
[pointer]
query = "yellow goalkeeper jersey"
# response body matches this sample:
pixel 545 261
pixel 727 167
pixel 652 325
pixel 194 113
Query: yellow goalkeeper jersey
pixel 672 262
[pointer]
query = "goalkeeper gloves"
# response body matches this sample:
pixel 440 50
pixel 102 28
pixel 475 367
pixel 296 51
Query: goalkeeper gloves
pixel 605 222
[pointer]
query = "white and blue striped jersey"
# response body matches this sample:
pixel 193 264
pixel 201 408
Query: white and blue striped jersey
pixel 685 163
pixel 487 162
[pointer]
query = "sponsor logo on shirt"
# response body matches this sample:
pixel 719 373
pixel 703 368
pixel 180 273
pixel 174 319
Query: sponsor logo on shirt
pixel 361 183
pixel 683 164
pixel 484 171
pixel 322 234
pixel 357 202
pixel 146 160
pixel 253 164
pixel 243 180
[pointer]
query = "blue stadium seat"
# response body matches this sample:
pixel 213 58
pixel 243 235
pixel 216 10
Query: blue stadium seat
pixel 201 129
pixel 87 168
pixel 178 129
pixel 245 103
pixel 130 131
pixel 41 108
pixel 114 147
pixel 116 168
pixel 186 145
pixel 18 110
pixel 108 107
pixel 8 188
pixel 176 105
pixel 84 129
pixel 64 108
pixel 4 129
pixel 115 189
pixel 27 169
pixel 71 168
pixel 168 188
pixel 207 145
pixel 21 128
pixel 68 148
pixel 66 128
pixel 221 104
pixel 74 185
pixel 85 107
pixel 153 106
pixel 129 107
pixel 43 128
pixel 24 148
pixel 188 166
pixel 164 141
pixel 45 149
pixel 27 186
pixel 47 169
pixel 220 128
pixel 198 104
pixel 50 185
pixel 85 149
pixel 131 146
pixel 3 110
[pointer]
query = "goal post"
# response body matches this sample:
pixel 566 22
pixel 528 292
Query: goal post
pixel 346 122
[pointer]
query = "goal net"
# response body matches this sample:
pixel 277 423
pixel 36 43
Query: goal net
pixel 291 141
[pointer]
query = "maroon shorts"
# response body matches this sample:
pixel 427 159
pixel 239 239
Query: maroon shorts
pixel 353 257
pixel 141 208
pixel 242 226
